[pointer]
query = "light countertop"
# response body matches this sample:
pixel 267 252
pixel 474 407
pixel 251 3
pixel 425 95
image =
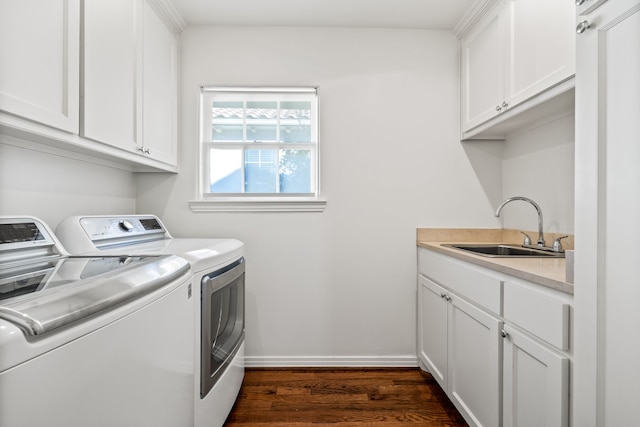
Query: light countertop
pixel 549 272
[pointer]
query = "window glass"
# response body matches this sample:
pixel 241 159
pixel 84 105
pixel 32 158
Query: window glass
pixel 295 119
pixel 261 168
pixel 295 168
pixel 225 172
pixel 260 142
pixel 262 121
pixel 227 121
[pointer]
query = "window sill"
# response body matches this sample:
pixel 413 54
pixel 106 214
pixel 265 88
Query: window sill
pixel 257 205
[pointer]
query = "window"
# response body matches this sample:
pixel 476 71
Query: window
pixel 259 149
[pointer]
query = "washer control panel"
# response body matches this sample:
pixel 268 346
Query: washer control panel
pixel 84 234
pixel 102 228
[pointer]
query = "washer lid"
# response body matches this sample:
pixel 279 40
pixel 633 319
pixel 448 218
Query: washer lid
pixel 51 295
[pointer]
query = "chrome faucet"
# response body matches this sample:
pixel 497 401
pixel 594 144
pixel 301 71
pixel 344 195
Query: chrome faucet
pixel 535 205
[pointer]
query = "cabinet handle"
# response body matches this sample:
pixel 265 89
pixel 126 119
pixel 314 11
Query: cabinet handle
pixel 582 27
pixel 505 104
pixel 579 2
pixel 447 297
pixel 504 333
pixel 498 108
pixel 443 295
pixel 144 150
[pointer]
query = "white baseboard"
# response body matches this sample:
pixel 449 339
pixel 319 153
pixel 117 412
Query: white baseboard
pixel 330 361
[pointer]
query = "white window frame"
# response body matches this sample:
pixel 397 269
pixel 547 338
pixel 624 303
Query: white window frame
pixel 269 202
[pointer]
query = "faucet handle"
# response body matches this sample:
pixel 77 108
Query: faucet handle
pixel 527 239
pixel 557 245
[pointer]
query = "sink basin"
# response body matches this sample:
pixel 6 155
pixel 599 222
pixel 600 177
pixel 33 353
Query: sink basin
pixel 505 251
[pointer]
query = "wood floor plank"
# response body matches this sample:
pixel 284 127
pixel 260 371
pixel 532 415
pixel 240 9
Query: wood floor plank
pixel 342 397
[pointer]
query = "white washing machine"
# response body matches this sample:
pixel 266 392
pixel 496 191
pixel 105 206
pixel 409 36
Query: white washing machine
pixel 218 269
pixel 91 340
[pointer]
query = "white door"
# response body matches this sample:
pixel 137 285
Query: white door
pixel 432 329
pixel 483 70
pixel 607 289
pixel 112 93
pixel 620 147
pixel 542 46
pixel 475 350
pixel 39 61
pixel 536 383
pixel 160 81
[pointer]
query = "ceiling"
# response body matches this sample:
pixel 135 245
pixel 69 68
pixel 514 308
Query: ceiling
pixel 407 14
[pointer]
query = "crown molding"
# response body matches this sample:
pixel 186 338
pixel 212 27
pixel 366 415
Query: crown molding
pixel 170 14
pixel 475 13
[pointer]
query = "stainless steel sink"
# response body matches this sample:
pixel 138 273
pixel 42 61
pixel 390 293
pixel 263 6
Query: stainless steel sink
pixel 505 251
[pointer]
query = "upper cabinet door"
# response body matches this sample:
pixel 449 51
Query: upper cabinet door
pixel 542 46
pixel 112 93
pixel 160 79
pixel 483 69
pixel 39 58
pixel 516 55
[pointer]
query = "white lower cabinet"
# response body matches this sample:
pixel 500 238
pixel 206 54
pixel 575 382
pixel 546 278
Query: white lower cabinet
pixel 460 345
pixel 497 345
pixel 432 329
pixel 536 383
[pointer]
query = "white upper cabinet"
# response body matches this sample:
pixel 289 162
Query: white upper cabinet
pixel 542 46
pixel 159 81
pixel 39 51
pixel 112 91
pixel 130 79
pixel 514 57
pixel 95 78
pixel 483 77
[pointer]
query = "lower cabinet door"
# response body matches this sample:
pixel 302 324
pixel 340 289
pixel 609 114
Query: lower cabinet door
pixel 432 329
pixel 536 383
pixel 475 350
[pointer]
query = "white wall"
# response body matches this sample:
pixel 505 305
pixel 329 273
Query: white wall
pixel 339 286
pixel 539 163
pixel 51 186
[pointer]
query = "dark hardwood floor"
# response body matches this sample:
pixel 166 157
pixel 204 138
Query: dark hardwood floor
pixel 344 397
